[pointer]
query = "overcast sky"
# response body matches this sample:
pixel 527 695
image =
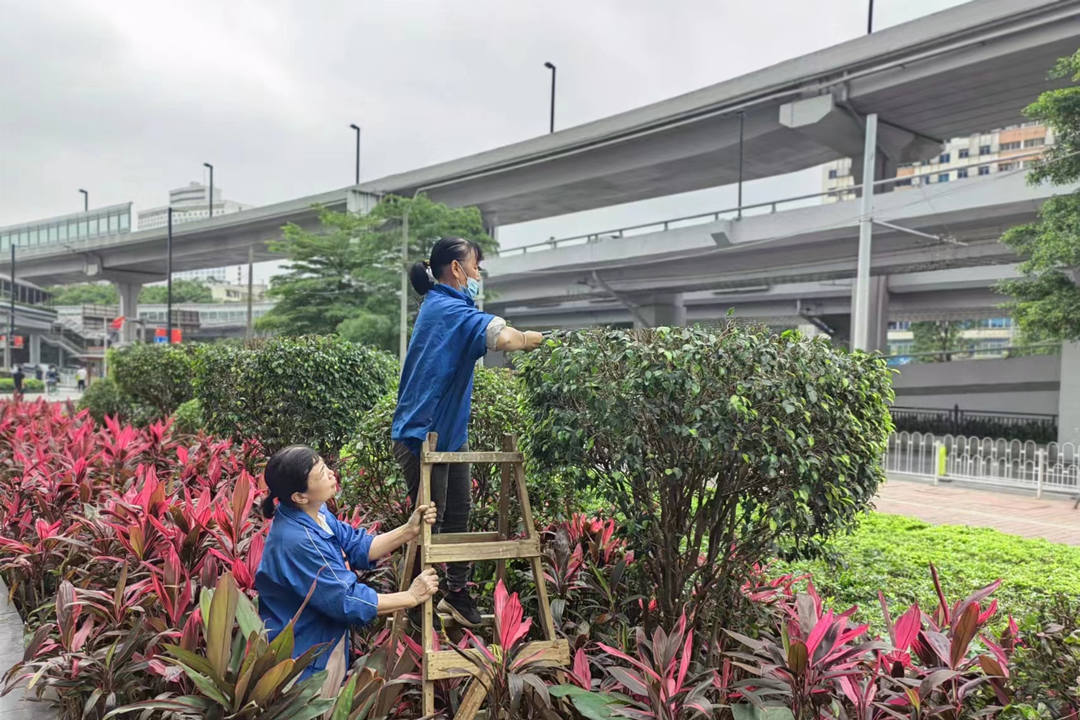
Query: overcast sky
pixel 128 98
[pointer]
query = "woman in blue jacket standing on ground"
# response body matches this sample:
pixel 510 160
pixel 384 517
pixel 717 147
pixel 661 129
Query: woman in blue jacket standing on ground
pixel 435 394
pixel 307 545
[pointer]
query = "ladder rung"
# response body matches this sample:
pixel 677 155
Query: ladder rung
pixel 468 552
pixel 443 664
pixel 448 620
pixel 472 457
pixel 451 538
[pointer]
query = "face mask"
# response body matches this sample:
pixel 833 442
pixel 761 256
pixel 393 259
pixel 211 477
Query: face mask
pixel 472 288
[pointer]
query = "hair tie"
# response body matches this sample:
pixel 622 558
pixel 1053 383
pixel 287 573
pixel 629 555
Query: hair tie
pixel 430 275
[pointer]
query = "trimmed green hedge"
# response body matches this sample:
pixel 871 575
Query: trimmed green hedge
pixel 155 376
pixel 7 385
pixel 892 553
pixel 280 391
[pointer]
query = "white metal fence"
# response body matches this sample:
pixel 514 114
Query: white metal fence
pixel 1049 467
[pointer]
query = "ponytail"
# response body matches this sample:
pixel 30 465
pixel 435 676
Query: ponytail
pixel 268 507
pixel 421 278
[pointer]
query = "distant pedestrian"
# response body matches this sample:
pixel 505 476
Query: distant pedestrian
pixel 80 378
pixel 17 377
pixel 52 379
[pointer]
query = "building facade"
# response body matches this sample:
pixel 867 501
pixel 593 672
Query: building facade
pixel 973 156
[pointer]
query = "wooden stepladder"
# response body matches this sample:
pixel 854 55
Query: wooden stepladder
pixel 472 546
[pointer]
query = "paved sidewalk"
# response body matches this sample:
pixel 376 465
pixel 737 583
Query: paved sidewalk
pixel 12 705
pixel 1051 517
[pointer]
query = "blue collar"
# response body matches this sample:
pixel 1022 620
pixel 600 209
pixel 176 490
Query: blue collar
pixel 453 292
pixel 299 516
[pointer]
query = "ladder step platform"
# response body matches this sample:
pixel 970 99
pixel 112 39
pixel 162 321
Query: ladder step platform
pixel 447 664
pixel 499 458
pixel 471 552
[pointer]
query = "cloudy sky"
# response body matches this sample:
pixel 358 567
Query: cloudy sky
pixel 128 98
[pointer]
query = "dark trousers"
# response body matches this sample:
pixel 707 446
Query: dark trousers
pixel 451 491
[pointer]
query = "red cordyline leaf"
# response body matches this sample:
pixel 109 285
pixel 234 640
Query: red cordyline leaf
pixel 508 620
pixel 581 671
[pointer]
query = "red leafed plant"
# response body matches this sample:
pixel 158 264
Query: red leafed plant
pixel 107 535
pixel 803 663
pixel 659 681
pixel 515 676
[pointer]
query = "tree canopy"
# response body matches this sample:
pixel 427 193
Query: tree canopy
pixel 1046 300
pixel 346 277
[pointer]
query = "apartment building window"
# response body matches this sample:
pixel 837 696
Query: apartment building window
pixel 943 158
pixel 961 173
pixel 984 149
pixel 984 170
pixel 832 174
pixel 1035 142
pixel 1006 166
pixel 962 153
pixel 1015 145
pixel 943 177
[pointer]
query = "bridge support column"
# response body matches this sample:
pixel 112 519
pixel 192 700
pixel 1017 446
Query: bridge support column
pixel 34 342
pixel 129 308
pixel 878 311
pixel 661 310
pixel 1069 395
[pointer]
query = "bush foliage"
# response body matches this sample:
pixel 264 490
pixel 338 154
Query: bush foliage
pixel 156 376
pixel 718 447
pixel 281 391
pixel 7 385
pixel 373 482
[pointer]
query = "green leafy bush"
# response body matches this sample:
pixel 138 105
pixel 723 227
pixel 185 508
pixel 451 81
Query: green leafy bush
pixel 892 552
pixel 104 398
pixel 1046 666
pixel 188 418
pixel 312 390
pixel 7 385
pixel 157 376
pixel 719 448
pixel 372 479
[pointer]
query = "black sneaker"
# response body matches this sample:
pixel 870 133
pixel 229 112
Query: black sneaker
pixel 416 620
pixel 462 608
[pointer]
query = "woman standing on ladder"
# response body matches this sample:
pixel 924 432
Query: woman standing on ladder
pixel 435 394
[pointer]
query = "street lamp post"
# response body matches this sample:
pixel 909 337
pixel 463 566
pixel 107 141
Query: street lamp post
pixel 9 346
pixel 85 200
pixel 870 19
pixel 168 281
pixel 551 67
pixel 356 127
pixel 208 165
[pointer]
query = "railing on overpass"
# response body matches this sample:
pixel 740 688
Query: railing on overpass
pixel 1037 427
pixel 1042 468
pixel 771 206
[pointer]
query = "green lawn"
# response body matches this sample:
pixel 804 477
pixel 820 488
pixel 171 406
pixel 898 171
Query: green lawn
pixel 892 553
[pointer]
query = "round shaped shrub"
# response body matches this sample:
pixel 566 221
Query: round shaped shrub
pixel 719 447
pixel 280 391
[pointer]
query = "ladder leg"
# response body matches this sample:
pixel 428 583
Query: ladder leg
pixel 424 497
pixel 472 700
pixel 546 620
pixel 504 506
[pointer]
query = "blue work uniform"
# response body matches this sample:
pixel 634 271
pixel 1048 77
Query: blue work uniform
pixel 298 552
pixel 435 394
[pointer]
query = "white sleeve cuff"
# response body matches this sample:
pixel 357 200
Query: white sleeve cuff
pixel 496 326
